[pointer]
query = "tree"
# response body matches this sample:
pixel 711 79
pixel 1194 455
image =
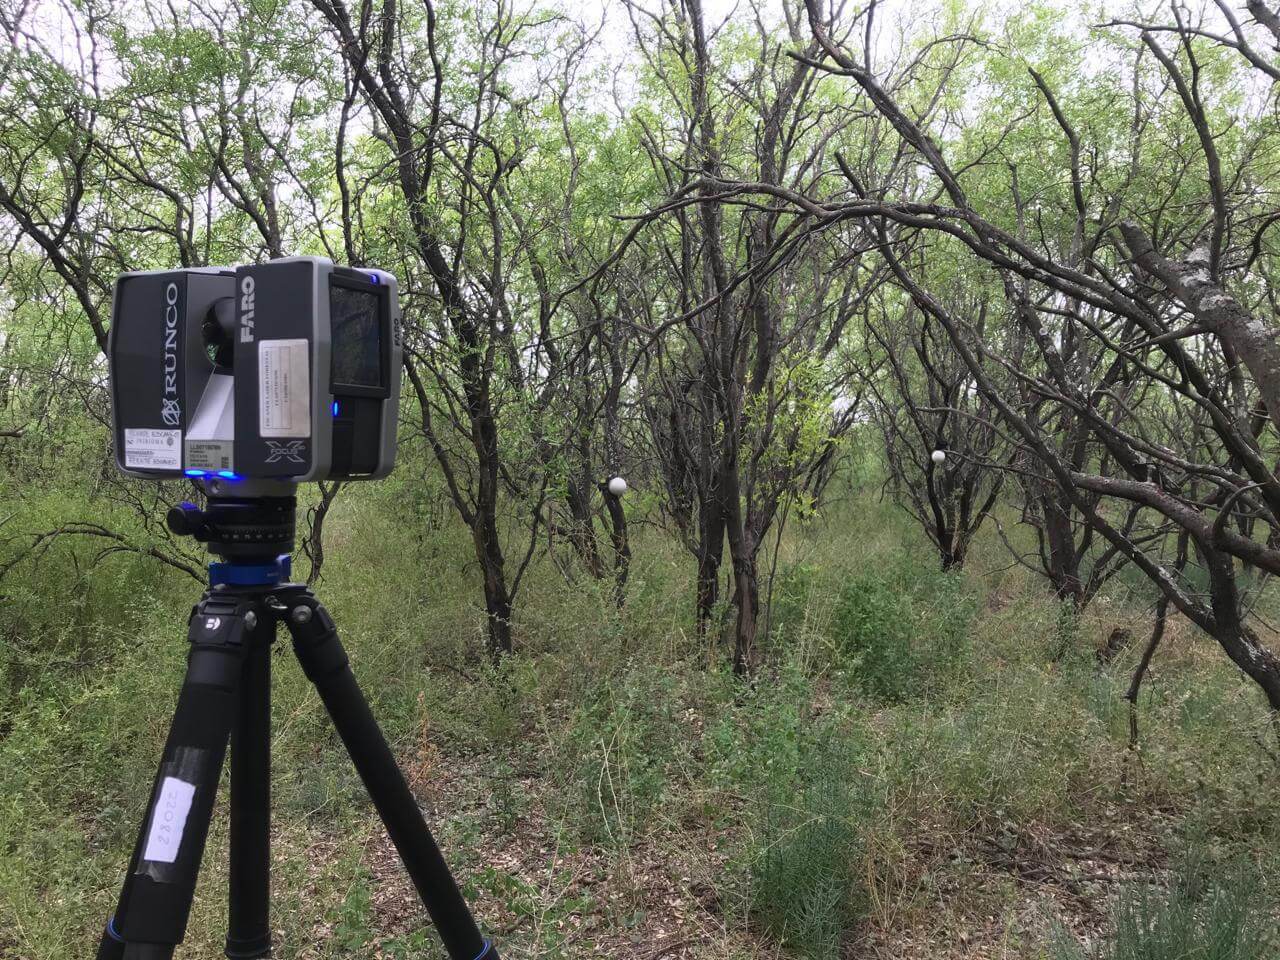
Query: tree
pixel 740 393
pixel 455 137
pixel 944 451
pixel 1165 277
pixel 101 176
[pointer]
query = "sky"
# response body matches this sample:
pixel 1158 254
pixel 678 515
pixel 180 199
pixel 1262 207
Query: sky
pixel 51 22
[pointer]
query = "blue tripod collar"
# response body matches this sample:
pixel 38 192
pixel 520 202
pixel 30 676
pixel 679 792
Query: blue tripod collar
pixel 251 574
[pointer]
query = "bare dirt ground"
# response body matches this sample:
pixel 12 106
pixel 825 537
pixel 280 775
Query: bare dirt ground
pixel 993 897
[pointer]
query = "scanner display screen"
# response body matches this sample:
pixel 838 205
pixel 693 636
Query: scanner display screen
pixel 356 337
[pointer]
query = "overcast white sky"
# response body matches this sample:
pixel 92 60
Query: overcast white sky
pixel 50 20
pixel 50 23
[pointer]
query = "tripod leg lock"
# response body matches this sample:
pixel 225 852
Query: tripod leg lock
pixel 315 637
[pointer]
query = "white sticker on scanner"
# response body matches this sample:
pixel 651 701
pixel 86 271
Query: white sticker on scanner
pixel 153 449
pixel 168 820
pixel 209 454
pixel 284 389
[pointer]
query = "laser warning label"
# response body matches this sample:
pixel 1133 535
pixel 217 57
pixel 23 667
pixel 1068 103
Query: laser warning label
pixel 284 389
pixel 153 449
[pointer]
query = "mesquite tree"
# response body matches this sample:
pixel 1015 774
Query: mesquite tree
pixel 942 448
pixel 483 358
pixel 148 136
pixel 1172 278
pixel 740 393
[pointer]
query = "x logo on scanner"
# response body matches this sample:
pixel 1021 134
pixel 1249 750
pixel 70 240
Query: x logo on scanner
pixel 291 451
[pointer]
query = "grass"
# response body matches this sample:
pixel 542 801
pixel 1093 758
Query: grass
pixel 809 849
pixel 1202 911
pixel 914 762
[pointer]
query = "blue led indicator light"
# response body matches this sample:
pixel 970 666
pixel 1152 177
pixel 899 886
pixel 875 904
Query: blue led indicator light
pixel 194 473
pixel 230 475
pixel 335 408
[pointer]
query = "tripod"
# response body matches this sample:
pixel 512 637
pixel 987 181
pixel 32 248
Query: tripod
pixel 226 696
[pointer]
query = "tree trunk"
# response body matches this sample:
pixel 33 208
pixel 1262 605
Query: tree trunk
pixel 710 549
pixel 742 551
pixel 621 545
pixel 708 592
pixel 497 597
pixel 497 602
pixel 1144 664
pixel 747 596
pixel 1192 283
pixel 582 531
pixel 1247 652
pixel 313 543
pixel 1064 569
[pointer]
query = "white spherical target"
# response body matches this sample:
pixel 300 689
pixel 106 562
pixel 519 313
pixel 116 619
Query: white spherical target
pixel 938 456
pixel 617 486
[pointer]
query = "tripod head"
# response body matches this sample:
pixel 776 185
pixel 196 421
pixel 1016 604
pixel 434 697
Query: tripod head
pixel 246 523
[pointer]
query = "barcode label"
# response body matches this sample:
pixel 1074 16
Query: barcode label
pixel 209 454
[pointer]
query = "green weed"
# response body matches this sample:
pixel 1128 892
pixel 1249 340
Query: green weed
pixel 1204 913
pixel 903 630
pixel 806 873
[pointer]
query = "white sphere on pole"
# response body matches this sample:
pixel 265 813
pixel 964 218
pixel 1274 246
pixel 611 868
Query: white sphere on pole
pixel 938 456
pixel 617 486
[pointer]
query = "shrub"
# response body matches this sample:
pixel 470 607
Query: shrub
pixel 872 625
pixel 806 889
pixel 1201 915
pixel 758 739
pixel 621 744
pixel 791 599
pixel 903 628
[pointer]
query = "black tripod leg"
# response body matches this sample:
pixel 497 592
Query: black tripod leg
pixel 249 929
pixel 151 918
pixel 315 641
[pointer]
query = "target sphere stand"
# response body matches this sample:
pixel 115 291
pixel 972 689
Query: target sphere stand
pixel 225 697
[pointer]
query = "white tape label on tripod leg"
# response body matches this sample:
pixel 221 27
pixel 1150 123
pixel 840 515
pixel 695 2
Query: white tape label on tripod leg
pixel 168 820
pixel 284 389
